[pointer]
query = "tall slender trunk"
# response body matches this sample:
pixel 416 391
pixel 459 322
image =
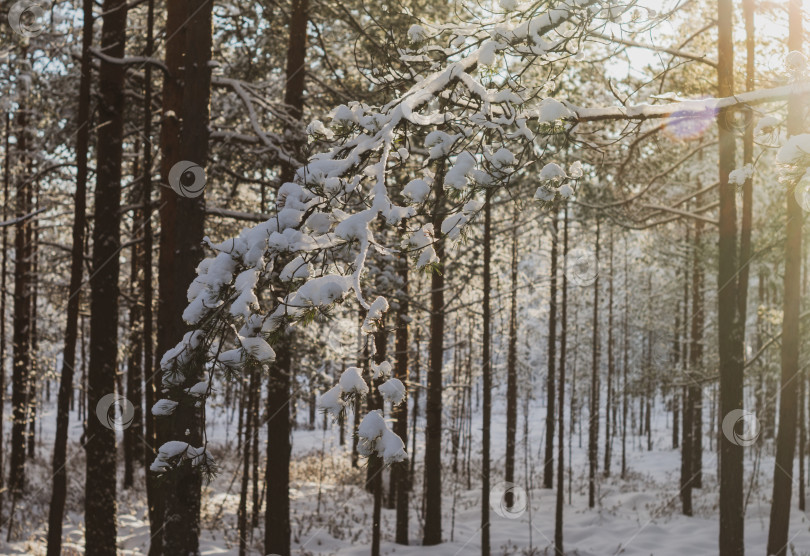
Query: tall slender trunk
pixel 22 302
pixel 433 412
pixel 33 384
pixel 134 433
pixel 511 365
pixel 375 463
pixel 277 518
pixel 548 463
pixel 3 277
pixel 593 417
pixel 696 361
pixel 100 480
pixel 691 391
pixel 182 501
pixel 786 435
pixel 748 158
pixel 625 361
pixel 247 441
pixel 611 361
pixel 418 381
pixel 730 341
pixel 399 472
pixel 486 372
pixel 169 321
pixel 148 449
pixel 277 472
pixel 558 520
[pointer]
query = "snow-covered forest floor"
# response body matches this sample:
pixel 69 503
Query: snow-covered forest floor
pixel 331 512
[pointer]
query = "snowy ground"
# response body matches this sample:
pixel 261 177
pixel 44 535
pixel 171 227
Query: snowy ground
pixel 332 512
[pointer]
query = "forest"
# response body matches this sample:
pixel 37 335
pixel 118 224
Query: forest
pixel 341 277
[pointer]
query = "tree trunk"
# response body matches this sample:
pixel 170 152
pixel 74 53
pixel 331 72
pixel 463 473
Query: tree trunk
pixel 416 391
pixel 22 315
pixel 486 373
pixel 246 407
pixel 277 472
pixel 558 519
pixel 433 426
pixel 182 511
pixel 134 433
pixel 611 361
pixel 148 449
pixel 730 345
pixel 100 480
pixel 33 384
pixel 399 472
pixel 169 321
pixel 548 464
pixel 296 76
pixel 511 366
pixel 3 277
pixel 786 435
pixel 695 363
pixel 625 361
pixel 375 463
pixel 277 517
pixel 593 417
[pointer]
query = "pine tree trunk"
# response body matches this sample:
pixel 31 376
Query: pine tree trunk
pixel 558 517
pixel 22 315
pixel 511 365
pixel 695 363
pixel 134 433
pixel 486 373
pixel 169 321
pixel 246 408
pixel 416 391
pixel 3 278
pixel 182 510
pixel 786 435
pixel 399 472
pixel 593 417
pixel 611 361
pixel 33 384
pixel 277 472
pixel 690 391
pixel 147 450
pixel 548 464
pixel 432 533
pixel 375 463
pixel 625 362
pixel 730 341
pixel 100 480
pixel 256 387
